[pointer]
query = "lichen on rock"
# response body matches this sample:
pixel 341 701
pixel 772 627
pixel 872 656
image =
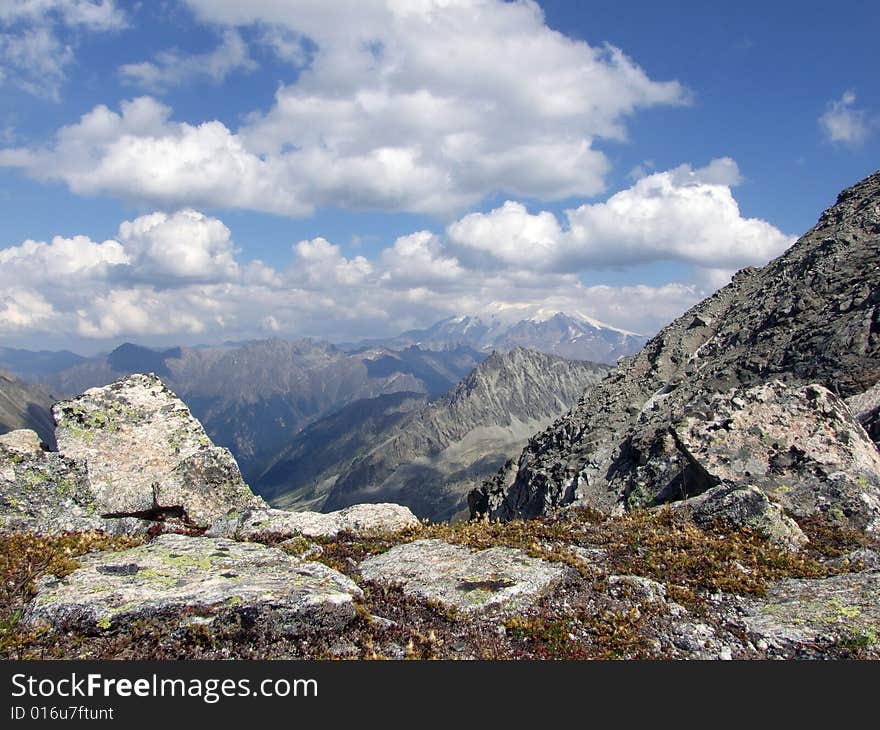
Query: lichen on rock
pixel 144 451
pixel 179 576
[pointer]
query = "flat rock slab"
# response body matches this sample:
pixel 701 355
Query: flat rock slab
pixel 798 612
pixel 178 577
pixel 360 519
pixel 468 580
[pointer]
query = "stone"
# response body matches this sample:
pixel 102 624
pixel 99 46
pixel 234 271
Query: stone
pixel 197 577
pixel 801 446
pixel 146 454
pixel 747 507
pixel 802 612
pixel 462 578
pixel 22 441
pixel 47 493
pixel 359 519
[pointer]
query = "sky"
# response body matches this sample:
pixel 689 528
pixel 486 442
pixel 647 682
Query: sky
pixel 195 171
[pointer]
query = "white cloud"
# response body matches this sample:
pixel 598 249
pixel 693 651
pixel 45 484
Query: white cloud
pixel 684 214
pixel 36 40
pixel 179 276
pixel 185 246
pixel 90 14
pixel 401 106
pixel 23 310
pixel 138 154
pixel 68 262
pixel 172 68
pixel 843 122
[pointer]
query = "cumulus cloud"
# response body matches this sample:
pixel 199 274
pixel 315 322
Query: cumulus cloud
pixel 37 39
pixel 187 245
pixel 684 214
pixel 139 154
pixel 179 275
pixel 400 106
pixel 844 123
pixel 172 68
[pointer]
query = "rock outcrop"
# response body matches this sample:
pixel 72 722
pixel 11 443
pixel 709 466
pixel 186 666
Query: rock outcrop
pixel 461 578
pixel 359 519
pixel 47 492
pixel 192 578
pixel 146 455
pixel 809 318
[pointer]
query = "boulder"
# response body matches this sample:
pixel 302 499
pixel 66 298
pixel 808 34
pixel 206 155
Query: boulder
pixel 47 493
pixel 359 519
pixel 180 578
pixel 461 578
pixel 745 506
pixel 146 455
pixel 801 446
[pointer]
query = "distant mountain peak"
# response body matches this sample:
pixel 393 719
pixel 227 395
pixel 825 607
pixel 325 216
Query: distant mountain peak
pixel 574 336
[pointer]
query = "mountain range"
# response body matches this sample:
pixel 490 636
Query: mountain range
pixel 575 336
pixel 256 397
pixel 427 456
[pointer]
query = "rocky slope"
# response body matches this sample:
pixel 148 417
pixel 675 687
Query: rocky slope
pixel 303 472
pixel 574 336
pixel 253 398
pixel 429 460
pixel 25 406
pixel 683 416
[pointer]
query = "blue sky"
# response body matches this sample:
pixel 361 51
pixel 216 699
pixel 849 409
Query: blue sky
pixel 201 170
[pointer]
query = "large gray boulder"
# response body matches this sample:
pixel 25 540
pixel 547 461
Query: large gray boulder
pixel 195 577
pixel 48 493
pixel 146 455
pixel 745 506
pixel 461 578
pixel 801 446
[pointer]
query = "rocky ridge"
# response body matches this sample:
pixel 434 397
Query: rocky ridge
pixel 429 460
pixel 809 318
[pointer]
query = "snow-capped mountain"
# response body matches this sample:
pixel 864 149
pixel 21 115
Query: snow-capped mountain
pixel 574 336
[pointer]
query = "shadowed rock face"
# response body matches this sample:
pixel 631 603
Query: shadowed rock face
pixel 25 406
pixel 810 316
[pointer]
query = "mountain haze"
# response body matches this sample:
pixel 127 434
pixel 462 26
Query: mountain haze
pixel 254 397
